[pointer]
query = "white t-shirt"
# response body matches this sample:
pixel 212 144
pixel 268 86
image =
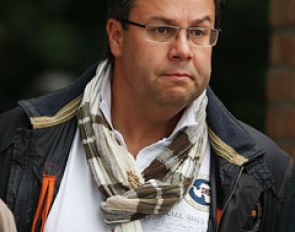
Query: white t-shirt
pixel 77 205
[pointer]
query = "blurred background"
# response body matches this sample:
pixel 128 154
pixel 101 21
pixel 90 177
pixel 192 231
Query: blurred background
pixel 45 45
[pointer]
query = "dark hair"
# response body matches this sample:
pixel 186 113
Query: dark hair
pixel 120 9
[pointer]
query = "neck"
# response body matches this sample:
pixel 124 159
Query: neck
pixel 141 128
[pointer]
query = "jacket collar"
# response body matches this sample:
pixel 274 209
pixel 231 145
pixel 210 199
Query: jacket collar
pixel 222 124
pixel 228 137
pixel 229 130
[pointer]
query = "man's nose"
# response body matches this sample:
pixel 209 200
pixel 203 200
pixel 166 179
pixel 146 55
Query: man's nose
pixel 181 48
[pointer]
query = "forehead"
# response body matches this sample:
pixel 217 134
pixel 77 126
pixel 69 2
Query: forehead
pixel 179 11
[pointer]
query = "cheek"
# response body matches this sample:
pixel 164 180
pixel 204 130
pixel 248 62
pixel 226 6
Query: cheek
pixel 202 62
pixel 149 58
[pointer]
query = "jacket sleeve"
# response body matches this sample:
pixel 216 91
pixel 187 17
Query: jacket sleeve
pixel 10 122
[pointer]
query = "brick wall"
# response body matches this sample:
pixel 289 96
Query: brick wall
pixel 280 89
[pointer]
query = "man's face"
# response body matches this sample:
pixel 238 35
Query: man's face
pixel 173 73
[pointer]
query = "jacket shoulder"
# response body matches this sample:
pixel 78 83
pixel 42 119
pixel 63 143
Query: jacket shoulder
pixel 272 150
pixel 279 162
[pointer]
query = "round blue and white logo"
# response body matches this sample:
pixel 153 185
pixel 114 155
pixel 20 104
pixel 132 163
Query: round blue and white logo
pixel 199 193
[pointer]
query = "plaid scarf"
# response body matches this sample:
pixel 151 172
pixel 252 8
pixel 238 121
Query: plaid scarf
pixel 131 195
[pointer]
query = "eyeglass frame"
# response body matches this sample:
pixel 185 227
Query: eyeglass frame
pixel 178 28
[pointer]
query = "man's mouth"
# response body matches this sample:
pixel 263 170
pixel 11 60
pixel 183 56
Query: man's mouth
pixel 178 75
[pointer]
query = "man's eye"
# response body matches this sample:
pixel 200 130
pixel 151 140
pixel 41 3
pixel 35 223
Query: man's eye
pixel 162 30
pixel 198 32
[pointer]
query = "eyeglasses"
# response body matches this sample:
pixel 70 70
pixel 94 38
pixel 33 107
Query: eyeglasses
pixel 200 36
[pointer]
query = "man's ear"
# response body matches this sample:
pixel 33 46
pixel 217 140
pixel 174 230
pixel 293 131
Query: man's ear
pixel 115 36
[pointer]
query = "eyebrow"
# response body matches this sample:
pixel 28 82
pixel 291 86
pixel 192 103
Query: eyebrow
pixel 201 20
pixel 172 21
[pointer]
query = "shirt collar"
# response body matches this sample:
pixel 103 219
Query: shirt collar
pixel 106 97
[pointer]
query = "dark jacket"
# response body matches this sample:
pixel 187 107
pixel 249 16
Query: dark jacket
pixel 248 171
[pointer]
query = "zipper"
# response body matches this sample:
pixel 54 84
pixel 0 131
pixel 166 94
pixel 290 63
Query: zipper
pixel 228 200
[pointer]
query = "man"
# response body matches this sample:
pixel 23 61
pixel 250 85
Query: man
pixel 140 142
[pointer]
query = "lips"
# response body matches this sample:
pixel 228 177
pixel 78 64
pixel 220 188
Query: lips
pixel 178 75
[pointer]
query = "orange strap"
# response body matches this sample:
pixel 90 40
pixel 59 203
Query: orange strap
pixel 45 201
pixel 218 216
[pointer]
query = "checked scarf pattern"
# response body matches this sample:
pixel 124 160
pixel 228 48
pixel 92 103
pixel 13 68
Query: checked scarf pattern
pixel 129 194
